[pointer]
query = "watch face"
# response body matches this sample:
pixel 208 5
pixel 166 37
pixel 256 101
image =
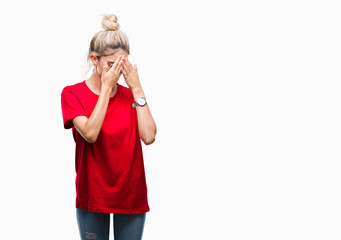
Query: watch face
pixel 141 101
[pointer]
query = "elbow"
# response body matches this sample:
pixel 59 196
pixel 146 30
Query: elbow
pixel 149 140
pixel 91 138
pixel 148 137
pixel 88 133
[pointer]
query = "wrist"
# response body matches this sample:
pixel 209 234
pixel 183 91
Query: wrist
pixel 106 89
pixel 137 92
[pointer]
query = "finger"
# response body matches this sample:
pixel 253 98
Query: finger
pixel 116 64
pixel 128 64
pixel 123 72
pixel 119 63
pixel 124 66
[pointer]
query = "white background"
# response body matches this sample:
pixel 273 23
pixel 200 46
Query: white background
pixel 245 95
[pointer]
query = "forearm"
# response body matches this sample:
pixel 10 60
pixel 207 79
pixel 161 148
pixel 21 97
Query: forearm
pixel 92 127
pixel 146 123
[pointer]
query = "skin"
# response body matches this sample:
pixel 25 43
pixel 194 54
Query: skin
pixel 103 82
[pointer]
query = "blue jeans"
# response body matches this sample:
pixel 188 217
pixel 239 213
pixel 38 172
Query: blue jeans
pixel 93 225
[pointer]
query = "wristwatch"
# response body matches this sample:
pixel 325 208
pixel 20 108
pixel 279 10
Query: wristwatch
pixel 141 101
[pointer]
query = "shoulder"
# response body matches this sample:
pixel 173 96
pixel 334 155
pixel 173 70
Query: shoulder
pixel 73 89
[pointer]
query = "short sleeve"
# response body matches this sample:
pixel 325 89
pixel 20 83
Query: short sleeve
pixel 71 107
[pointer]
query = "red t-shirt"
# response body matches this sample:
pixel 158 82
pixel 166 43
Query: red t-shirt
pixel 110 175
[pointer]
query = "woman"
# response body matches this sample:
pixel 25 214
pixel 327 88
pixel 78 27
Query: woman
pixel 108 122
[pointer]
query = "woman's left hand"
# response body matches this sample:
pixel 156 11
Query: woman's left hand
pixel 130 74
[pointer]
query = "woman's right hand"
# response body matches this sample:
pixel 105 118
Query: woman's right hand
pixel 110 75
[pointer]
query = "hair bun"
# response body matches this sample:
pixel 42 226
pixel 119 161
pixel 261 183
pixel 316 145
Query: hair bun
pixel 109 23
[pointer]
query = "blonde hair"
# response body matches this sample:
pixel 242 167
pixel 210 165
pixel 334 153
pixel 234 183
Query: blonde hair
pixel 111 38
